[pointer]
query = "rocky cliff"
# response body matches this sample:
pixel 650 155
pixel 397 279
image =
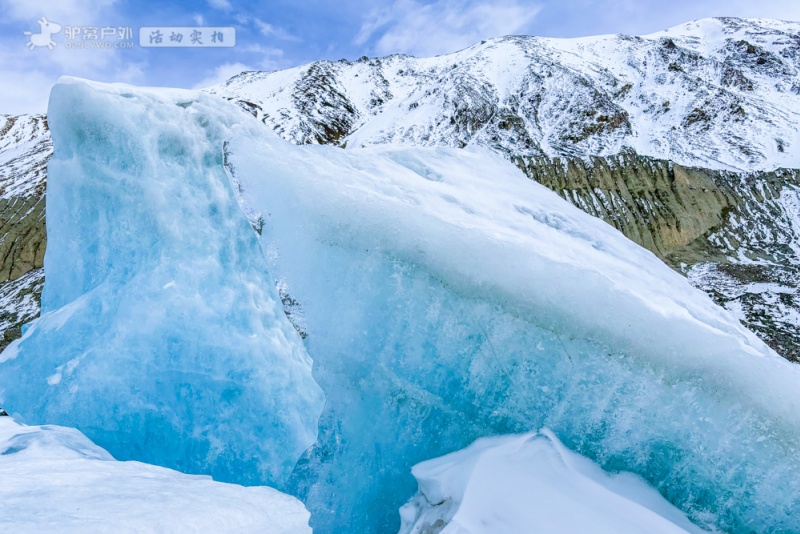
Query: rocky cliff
pixel 736 235
pixel 25 148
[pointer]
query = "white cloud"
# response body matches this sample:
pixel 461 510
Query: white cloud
pixel 29 74
pixel 269 30
pixel 409 26
pixel 28 93
pixel 222 73
pixel 223 5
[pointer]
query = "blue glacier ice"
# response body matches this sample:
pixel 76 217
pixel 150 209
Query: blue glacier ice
pixel 443 296
pixel 162 337
pixel 447 297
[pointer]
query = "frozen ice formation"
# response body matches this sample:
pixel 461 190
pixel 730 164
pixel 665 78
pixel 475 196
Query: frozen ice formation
pixel 162 337
pixel 443 296
pixel 55 478
pixel 532 483
pixel 446 297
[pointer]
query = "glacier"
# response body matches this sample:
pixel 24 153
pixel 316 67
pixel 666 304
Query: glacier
pixel 447 297
pixel 442 295
pixel 161 336
pixel 532 483
pixel 55 478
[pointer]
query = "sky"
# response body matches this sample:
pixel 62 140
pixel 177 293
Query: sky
pixel 279 34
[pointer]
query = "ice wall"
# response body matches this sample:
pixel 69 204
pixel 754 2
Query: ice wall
pixel 55 479
pixel 162 336
pixel 446 297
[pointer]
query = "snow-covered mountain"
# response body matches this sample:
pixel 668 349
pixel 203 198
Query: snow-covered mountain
pixel 684 140
pixel 715 93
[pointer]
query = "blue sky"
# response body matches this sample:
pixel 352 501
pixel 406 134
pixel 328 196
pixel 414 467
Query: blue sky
pixel 283 33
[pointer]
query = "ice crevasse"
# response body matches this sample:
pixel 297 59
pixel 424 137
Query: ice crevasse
pixel 442 295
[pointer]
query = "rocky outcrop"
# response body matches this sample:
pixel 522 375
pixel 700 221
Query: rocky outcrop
pixel 22 226
pixel 737 236
pixel 658 204
pixel 25 148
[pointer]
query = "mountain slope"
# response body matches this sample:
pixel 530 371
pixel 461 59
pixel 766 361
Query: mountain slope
pixel 25 148
pixel 716 93
pixel 685 140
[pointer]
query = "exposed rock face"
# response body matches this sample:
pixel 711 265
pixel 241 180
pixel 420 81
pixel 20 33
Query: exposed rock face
pixel 25 148
pixel 23 245
pixel 660 205
pixel 736 235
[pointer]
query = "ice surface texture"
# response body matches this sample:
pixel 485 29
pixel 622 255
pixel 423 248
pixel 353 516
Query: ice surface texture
pixel 162 337
pixel 447 297
pixel 532 483
pixel 56 480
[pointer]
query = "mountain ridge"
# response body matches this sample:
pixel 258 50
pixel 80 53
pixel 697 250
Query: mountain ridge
pixel 698 102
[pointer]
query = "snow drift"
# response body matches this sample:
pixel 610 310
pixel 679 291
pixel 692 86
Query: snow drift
pixel 54 478
pixel 443 296
pixel 532 483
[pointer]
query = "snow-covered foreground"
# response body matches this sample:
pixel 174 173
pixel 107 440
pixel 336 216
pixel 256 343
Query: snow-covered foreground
pixel 442 295
pixel 53 479
pixel 532 483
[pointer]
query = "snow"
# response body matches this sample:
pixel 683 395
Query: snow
pixel 55 479
pixel 532 483
pixel 25 147
pixel 162 337
pixel 557 89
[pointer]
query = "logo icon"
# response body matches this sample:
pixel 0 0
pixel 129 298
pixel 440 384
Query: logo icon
pixel 43 38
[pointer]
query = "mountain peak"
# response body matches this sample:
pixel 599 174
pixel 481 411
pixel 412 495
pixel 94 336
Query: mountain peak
pixel 720 93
